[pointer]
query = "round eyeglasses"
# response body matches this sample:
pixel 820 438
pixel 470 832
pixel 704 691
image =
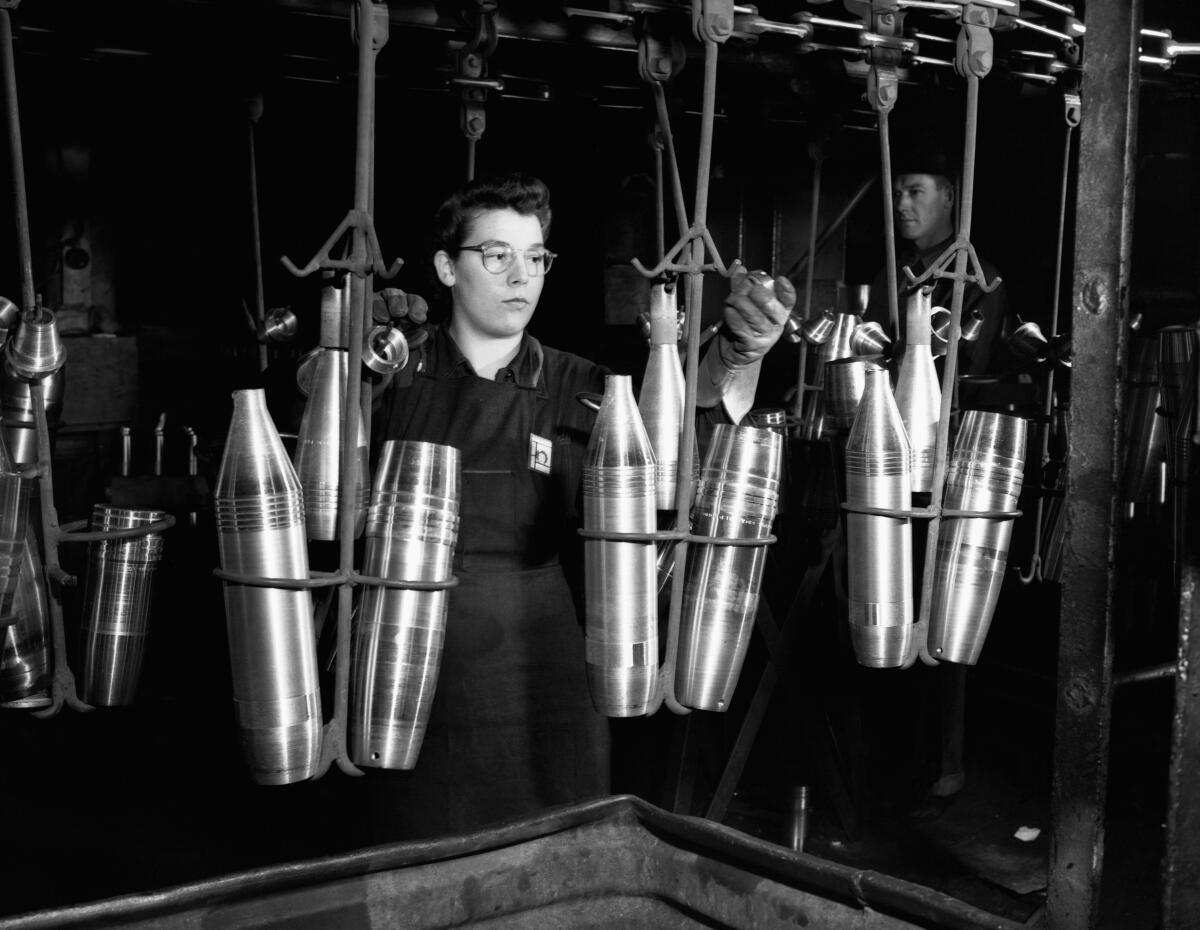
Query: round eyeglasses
pixel 499 258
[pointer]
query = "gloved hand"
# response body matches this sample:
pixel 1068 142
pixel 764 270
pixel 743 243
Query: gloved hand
pixel 755 311
pixel 392 305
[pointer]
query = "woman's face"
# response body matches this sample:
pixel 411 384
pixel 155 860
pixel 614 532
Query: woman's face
pixel 486 304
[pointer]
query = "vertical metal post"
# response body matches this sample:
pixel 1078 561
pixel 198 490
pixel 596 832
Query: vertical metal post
pixel 260 306
pixel 370 39
pixel 1103 233
pixel 20 203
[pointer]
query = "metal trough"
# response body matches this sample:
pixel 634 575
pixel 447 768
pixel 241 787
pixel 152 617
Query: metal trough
pixel 616 862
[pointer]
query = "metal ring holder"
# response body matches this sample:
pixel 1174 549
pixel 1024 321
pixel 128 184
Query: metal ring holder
pixel 385 349
pixel 317 580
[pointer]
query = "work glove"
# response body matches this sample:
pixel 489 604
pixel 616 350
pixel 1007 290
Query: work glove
pixel 755 311
pixel 392 305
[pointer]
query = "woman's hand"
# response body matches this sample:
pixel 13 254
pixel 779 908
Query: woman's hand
pixel 755 311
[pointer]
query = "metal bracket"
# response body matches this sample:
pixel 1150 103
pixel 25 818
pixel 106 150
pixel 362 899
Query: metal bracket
pixel 882 38
pixel 750 26
pixel 354 219
pixel 660 52
pixel 1072 109
pixel 712 20
pixel 975 52
pixel 472 68
pixel 379 26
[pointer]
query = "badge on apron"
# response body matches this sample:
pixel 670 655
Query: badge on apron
pixel 540 450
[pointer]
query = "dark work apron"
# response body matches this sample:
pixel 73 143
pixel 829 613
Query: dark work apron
pixel 512 728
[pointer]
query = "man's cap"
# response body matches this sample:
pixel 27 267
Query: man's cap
pixel 924 159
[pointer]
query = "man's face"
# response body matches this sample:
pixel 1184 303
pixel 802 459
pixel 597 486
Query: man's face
pixel 924 205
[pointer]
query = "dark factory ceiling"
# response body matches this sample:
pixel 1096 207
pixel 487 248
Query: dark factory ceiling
pixel 546 48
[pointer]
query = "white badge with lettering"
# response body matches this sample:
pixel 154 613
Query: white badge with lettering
pixel 540 450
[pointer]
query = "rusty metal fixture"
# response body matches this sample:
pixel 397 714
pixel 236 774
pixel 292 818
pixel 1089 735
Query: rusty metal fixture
pixel 620 575
pixel 1103 238
pixel 260 532
pixel 412 528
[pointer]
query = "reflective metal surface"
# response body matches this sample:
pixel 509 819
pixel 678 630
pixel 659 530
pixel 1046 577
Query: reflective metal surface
pixel 845 380
pixel 818 330
pixel 620 577
pixel 37 349
pixel 25 643
pixel 918 393
pixel 25 666
pixel 412 528
pixel 879 548
pixel 15 492
pixel 335 310
pixel 776 420
pixel 736 498
pixel 939 324
pixel 812 425
pixel 16 408
pixel 260 526
pixel 10 316
pixel 661 401
pixel 984 474
pixel 869 339
pixel 318 455
pixel 116 605
pixel 385 349
pixel 279 325
pixel 1028 342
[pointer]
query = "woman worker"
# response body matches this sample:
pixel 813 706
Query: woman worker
pixel 512 729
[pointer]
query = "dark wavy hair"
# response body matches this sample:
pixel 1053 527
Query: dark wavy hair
pixel 523 193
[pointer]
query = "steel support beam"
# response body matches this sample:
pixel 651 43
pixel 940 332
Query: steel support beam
pixel 1103 234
